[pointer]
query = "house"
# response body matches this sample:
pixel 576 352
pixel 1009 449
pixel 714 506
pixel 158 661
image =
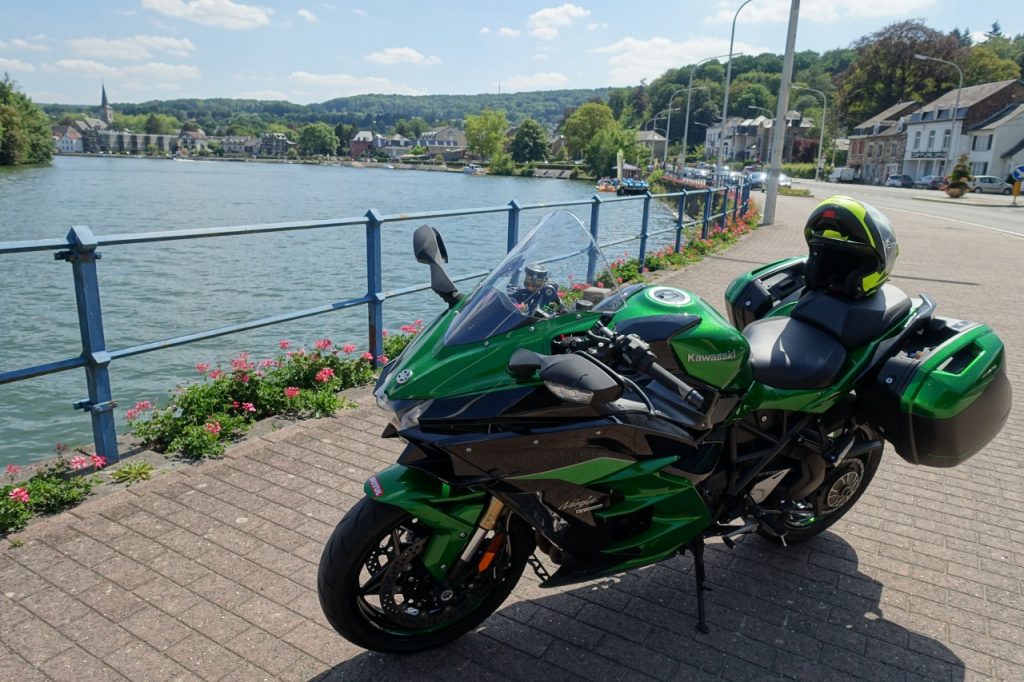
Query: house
pixel 193 141
pixel 275 144
pixel 878 145
pixel 361 143
pixel 997 144
pixel 655 141
pixel 68 140
pixel 720 136
pixel 443 140
pixel 233 144
pixel 936 134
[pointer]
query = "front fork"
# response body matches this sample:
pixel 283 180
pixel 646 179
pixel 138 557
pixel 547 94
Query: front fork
pixel 487 523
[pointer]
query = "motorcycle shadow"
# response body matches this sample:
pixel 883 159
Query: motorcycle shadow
pixel 803 612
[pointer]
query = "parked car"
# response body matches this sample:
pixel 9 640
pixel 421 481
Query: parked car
pixel 842 174
pixel 896 180
pixel 930 182
pixel 989 184
pixel 758 180
pixel 784 180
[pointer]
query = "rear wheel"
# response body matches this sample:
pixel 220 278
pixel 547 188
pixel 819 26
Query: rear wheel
pixel 977 190
pixel 1006 191
pixel 839 491
pixel 377 593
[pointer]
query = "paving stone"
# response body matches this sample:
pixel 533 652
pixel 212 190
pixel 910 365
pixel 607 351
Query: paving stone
pixel 156 628
pixel 264 650
pixel 75 664
pixel 139 661
pixel 204 657
pixel 214 622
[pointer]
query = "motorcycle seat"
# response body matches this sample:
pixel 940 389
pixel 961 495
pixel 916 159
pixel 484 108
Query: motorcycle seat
pixel 852 322
pixel 789 353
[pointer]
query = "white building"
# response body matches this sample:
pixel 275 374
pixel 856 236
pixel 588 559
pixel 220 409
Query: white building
pixel 997 144
pixel 931 129
pixel 68 140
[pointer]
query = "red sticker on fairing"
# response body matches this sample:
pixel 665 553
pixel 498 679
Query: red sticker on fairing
pixel 375 486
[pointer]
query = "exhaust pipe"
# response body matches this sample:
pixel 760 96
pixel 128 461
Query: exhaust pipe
pixel 814 465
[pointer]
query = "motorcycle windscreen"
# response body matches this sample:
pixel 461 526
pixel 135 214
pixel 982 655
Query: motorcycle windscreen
pixel 540 279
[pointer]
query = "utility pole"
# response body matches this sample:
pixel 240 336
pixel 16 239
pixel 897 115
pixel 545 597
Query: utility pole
pixel 779 131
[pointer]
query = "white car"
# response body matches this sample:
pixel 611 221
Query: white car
pixel 990 184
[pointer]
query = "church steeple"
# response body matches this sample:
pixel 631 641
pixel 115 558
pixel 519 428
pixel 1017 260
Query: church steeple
pixel 106 112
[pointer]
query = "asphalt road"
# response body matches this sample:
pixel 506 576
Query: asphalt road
pixel 974 211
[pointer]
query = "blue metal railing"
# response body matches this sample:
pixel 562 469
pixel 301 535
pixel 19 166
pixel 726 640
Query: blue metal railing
pixel 80 246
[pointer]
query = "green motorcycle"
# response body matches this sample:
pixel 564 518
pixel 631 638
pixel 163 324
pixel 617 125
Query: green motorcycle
pixel 551 413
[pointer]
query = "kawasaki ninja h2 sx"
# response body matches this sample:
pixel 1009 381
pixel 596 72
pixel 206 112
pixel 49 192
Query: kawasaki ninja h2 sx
pixel 550 413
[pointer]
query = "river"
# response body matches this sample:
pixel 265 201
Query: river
pixel 151 292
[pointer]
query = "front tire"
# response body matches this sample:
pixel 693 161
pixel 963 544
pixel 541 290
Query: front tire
pixel 376 592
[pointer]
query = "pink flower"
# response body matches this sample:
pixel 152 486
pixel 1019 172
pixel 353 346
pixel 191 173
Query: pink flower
pixel 143 405
pixel 348 348
pixel 212 428
pixel 201 367
pixel 325 375
pixel 267 363
pixel 619 280
pixel 600 285
pixel 244 378
pixel 98 461
pixel 291 392
pixel 19 495
pixel 382 359
pixel 284 343
pixel 131 415
pixel 216 374
pixel 384 333
pixel 60 447
pixel 322 344
pixel 248 407
pixel 79 462
pixel 367 355
pixel 418 323
pixel 408 329
pixel 12 469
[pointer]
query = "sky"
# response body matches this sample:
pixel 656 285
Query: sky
pixel 309 51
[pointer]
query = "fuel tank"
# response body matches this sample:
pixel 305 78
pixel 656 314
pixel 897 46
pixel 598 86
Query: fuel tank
pixel 689 336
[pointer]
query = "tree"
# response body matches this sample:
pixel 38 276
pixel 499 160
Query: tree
pixel 602 150
pixel 983 65
pixel 995 32
pixel 161 124
pixel 584 124
pixel 752 95
pixel 485 133
pixel 283 129
pixel 25 135
pixel 885 71
pixel 530 142
pixel 501 164
pixel 317 138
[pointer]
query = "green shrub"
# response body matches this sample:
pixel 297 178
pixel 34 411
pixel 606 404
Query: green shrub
pixel 50 490
pixel 133 472
pixel 799 170
pixel 790 192
pixel 203 417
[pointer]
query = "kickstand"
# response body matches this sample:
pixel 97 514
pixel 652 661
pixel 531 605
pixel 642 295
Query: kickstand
pixel 697 548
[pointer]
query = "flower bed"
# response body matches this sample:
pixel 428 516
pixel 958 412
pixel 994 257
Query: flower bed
pixel 202 417
pixel 48 491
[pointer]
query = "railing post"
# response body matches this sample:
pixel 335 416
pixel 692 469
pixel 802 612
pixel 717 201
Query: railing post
pixel 374 285
pixel 643 229
pixel 513 224
pixel 736 201
pixel 595 214
pixel 709 199
pixel 725 206
pixel 746 198
pixel 679 221
pixel 100 404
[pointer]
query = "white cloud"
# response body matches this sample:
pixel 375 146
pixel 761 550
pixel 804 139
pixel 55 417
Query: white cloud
pixel 308 16
pixel 26 45
pixel 343 84
pixel 820 11
pixel 222 13
pixel 15 65
pixel 135 47
pixel 596 25
pixel 485 30
pixel 149 71
pixel 165 71
pixel 545 23
pixel 400 55
pixel 359 12
pixel 548 80
pixel 508 32
pixel 540 56
pixel 632 59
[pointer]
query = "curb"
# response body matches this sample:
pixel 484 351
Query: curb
pixel 961 202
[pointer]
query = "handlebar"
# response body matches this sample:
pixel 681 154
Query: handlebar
pixel 638 355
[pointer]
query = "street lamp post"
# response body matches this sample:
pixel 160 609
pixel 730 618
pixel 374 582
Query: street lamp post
pixel 664 130
pixel 668 126
pixel 956 107
pixel 728 77
pixel 689 93
pixel 821 137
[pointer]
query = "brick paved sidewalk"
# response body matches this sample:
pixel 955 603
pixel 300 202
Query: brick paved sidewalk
pixel 209 572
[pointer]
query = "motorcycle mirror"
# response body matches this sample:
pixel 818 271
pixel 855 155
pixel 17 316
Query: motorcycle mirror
pixel 575 379
pixel 525 363
pixel 428 247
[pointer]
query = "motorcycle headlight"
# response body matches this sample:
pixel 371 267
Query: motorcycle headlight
pixel 411 417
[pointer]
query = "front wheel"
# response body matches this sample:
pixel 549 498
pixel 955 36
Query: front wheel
pixel 377 593
pixel 839 491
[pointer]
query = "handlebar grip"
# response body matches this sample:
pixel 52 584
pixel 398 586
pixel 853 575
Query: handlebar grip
pixel 689 394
